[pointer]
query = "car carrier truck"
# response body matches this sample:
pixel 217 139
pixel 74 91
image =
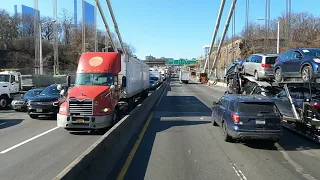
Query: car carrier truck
pixel 107 84
pixel 305 119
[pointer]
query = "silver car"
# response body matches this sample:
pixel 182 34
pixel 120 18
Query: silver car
pixel 260 65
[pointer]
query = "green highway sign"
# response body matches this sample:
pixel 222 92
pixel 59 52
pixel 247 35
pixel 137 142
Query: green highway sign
pixel 182 62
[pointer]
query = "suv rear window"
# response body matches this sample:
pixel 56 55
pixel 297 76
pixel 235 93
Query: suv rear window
pixel 257 107
pixel 271 60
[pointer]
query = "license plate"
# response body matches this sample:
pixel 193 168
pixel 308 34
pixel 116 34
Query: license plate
pixel 39 110
pixel 80 120
pixel 18 107
pixel 260 121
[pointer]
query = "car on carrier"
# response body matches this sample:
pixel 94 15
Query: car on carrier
pixel 247 117
pixel 260 66
pixel 299 95
pixel 298 63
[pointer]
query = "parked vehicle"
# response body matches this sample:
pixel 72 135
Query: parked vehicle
pixel 20 104
pixel 247 117
pixel 184 77
pixel 107 84
pixel 260 65
pixel 10 85
pixel 46 103
pixel 298 63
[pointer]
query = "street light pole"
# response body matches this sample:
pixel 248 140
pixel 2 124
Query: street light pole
pixel 278 34
pixel 278 38
pixel 40 50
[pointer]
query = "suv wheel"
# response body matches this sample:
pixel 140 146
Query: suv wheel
pixel 278 75
pixel 226 136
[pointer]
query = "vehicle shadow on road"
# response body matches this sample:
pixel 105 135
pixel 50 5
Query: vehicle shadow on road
pixel 9 123
pixel 172 115
pixel 289 141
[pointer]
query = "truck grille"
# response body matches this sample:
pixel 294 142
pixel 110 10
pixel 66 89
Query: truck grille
pixel 80 107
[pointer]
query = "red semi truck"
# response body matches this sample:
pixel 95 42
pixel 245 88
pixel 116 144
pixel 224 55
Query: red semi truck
pixel 106 82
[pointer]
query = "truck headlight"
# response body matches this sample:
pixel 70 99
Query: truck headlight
pixel 104 110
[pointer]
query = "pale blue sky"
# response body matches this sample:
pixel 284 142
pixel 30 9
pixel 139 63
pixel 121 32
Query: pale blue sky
pixel 172 28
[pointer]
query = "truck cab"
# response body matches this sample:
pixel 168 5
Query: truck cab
pixel 10 84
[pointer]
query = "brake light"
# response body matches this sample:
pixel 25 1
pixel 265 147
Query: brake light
pixel 281 118
pixel 235 117
pixel 266 65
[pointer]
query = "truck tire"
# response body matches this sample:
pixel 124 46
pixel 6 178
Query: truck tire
pixel 4 100
pixel 115 116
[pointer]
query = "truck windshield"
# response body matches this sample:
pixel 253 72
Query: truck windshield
pixel 101 79
pixel 4 78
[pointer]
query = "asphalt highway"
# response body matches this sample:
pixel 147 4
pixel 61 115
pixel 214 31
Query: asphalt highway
pixel 180 143
pixel 36 149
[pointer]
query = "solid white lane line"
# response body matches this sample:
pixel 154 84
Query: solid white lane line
pixel 3 123
pixel 28 140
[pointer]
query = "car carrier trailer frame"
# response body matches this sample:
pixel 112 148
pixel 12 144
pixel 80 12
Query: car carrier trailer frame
pixel 306 121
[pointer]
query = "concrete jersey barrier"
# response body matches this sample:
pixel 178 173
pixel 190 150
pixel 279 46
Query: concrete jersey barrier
pixel 99 159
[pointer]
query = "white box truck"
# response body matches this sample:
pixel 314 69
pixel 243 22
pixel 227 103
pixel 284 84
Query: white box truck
pixel 184 77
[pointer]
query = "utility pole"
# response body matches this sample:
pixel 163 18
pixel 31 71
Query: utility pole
pixel 288 22
pixel 83 28
pixel 55 39
pixel 95 29
pixel 36 21
pixel 233 5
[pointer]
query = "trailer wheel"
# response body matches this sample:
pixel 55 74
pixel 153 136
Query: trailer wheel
pixel 306 73
pixel 4 101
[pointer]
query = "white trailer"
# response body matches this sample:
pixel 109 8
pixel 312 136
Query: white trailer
pixel 10 84
pixel 134 77
pixel 184 77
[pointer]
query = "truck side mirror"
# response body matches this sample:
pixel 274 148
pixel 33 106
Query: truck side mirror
pixel 68 81
pixel 124 81
pixel 112 87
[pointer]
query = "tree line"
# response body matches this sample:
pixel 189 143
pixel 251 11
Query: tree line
pixel 17 42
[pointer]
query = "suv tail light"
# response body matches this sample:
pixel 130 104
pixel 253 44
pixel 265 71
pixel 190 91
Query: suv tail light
pixel 266 65
pixel 275 60
pixel 235 117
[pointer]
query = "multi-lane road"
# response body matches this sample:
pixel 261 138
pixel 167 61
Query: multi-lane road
pixel 36 149
pixel 179 142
